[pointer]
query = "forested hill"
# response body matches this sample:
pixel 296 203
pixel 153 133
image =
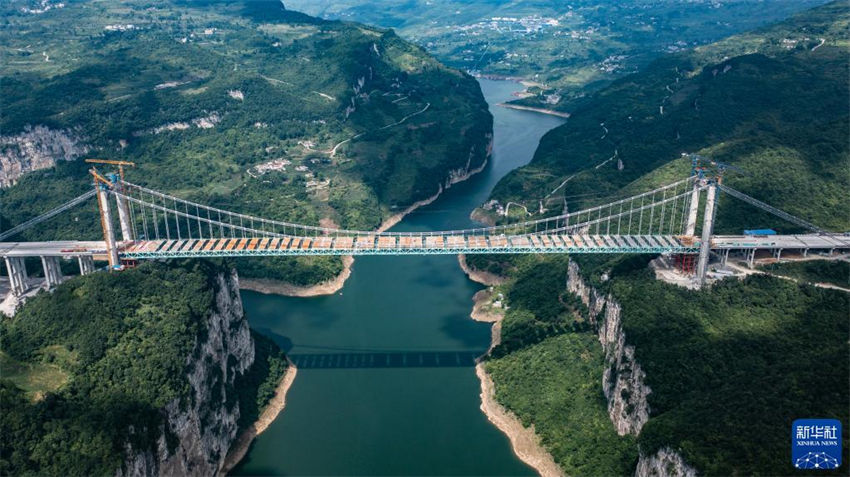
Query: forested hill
pixel 152 371
pixel 772 102
pixel 243 104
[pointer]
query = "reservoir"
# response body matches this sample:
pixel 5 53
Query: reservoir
pixel 386 383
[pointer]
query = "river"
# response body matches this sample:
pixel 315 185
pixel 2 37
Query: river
pixel 386 384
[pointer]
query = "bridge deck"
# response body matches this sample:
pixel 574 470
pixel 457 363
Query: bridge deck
pixel 65 248
pixel 408 245
pixel 421 245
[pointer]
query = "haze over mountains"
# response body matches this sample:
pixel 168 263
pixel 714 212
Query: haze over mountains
pixel 565 50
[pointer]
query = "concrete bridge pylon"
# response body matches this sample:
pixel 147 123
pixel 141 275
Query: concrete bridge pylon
pixel 106 220
pixel 707 231
pixel 691 224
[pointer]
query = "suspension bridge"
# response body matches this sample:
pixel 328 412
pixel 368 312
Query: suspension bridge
pixel 155 225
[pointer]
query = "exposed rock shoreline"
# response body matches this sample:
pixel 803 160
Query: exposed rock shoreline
pixel 524 441
pixel 482 312
pixel 277 287
pixel 479 276
pixel 273 408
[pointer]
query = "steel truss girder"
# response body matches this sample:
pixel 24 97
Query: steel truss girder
pixel 408 251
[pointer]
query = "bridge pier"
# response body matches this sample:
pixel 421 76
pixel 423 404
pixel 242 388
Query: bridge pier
pixel 707 229
pixel 52 271
pixel 17 275
pixel 86 263
pixel 751 258
pixel 724 257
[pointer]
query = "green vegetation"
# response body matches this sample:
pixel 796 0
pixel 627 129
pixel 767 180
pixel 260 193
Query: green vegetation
pixel 555 386
pixel 301 271
pixel 548 369
pixel 761 101
pixel 835 272
pixel 732 366
pixel 257 386
pixel 563 51
pixel 102 353
pixel 244 105
pixel 492 263
pixel 36 378
pixel 538 307
pixel 716 360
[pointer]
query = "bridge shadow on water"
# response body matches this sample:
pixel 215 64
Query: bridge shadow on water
pixel 342 357
pixel 395 359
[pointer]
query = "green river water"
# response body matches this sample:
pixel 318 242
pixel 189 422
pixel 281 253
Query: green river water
pixel 386 384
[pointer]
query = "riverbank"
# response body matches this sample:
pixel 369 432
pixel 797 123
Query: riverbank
pixel 479 276
pixel 524 441
pixel 270 413
pixel 482 311
pixel 277 287
pixel 450 181
pixel 520 107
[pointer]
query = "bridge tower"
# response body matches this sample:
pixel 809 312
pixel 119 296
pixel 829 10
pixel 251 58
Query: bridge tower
pixel 117 181
pixel 124 219
pixel 691 224
pixel 707 231
pixel 102 186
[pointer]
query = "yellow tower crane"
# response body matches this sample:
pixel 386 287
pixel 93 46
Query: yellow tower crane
pixel 120 164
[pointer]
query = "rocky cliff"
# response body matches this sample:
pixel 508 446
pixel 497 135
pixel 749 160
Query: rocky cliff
pixel 36 148
pixel 666 462
pixel 463 173
pixel 623 380
pixel 199 431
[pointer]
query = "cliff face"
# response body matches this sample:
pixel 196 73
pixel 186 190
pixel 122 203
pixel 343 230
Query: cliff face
pixel 463 173
pixel 666 462
pixel 200 432
pixel 36 148
pixel 623 380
